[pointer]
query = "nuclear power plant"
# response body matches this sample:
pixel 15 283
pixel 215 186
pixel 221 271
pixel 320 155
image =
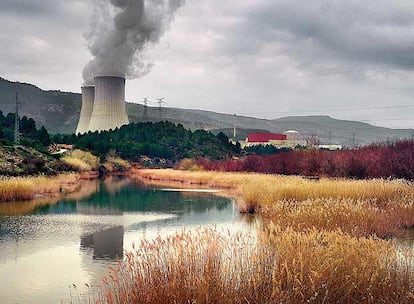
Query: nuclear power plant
pixel 103 105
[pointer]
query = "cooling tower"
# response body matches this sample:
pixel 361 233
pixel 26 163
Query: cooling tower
pixel 88 96
pixel 109 105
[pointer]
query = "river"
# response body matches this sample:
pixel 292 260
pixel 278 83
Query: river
pixel 46 247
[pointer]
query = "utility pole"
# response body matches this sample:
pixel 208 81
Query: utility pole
pixel 17 123
pixel 353 140
pixel 145 114
pixel 160 101
pixel 234 128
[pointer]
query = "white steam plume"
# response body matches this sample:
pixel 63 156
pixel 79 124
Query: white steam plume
pixel 119 32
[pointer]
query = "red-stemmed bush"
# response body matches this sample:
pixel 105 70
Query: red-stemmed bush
pixel 387 160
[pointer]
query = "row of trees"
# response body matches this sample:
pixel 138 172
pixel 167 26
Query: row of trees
pixel 162 139
pixel 388 160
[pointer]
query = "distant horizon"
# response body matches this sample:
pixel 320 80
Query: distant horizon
pixel 224 113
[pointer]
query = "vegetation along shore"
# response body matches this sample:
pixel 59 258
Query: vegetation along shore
pixel 323 241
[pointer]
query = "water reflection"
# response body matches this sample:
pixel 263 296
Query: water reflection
pixel 107 244
pixel 48 245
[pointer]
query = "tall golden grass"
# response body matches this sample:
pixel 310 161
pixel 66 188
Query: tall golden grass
pixel 26 188
pixel 285 267
pixel 356 218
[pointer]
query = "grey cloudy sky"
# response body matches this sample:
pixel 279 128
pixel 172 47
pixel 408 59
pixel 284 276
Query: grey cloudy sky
pixel 264 58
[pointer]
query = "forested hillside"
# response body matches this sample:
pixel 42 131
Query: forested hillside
pixel 162 139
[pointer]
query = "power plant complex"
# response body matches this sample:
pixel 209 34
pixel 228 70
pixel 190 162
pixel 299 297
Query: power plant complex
pixel 103 105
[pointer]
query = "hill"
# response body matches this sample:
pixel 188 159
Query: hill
pixel 155 140
pixel 59 112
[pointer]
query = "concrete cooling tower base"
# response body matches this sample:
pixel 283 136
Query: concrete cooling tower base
pixel 109 106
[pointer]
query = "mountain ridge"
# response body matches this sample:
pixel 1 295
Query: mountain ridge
pixel 59 112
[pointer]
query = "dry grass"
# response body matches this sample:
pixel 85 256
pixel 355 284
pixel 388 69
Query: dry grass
pixel 114 163
pixel 356 218
pixel 81 161
pixel 287 267
pixel 26 188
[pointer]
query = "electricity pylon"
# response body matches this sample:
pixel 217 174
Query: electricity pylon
pixel 17 123
pixel 160 101
pixel 145 114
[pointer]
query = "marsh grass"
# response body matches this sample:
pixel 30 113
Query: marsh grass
pixel 357 218
pixel 285 266
pixel 26 188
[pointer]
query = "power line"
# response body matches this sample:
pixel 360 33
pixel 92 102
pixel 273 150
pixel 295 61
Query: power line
pixel 329 110
pixel 386 119
pixel 349 71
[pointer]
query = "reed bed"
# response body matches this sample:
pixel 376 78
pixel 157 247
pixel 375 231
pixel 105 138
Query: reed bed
pixel 356 218
pixel 27 188
pixel 285 267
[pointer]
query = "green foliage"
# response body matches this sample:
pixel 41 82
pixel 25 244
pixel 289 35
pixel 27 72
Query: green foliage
pixel 30 135
pixel 162 139
pixel 265 149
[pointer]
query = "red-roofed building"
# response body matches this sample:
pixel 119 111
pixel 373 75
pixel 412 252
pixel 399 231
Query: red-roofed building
pixel 264 137
pixel 289 139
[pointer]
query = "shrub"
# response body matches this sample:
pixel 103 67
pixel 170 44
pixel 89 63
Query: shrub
pixel 79 160
pixel 188 164
pixel 389 160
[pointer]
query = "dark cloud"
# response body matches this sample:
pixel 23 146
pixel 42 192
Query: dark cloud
pixel 329 32
pixel 250 56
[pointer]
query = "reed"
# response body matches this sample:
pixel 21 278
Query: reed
pixel 283 267
pixel 17 188
pixel 356 218
pixel 26 188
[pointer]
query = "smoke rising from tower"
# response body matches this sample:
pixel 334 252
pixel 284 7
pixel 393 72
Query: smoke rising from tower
pixel 119 32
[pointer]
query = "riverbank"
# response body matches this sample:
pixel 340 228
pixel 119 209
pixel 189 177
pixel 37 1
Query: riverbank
pixel 358 207
pixel 31 187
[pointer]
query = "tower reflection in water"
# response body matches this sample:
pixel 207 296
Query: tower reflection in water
pixel 107 244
